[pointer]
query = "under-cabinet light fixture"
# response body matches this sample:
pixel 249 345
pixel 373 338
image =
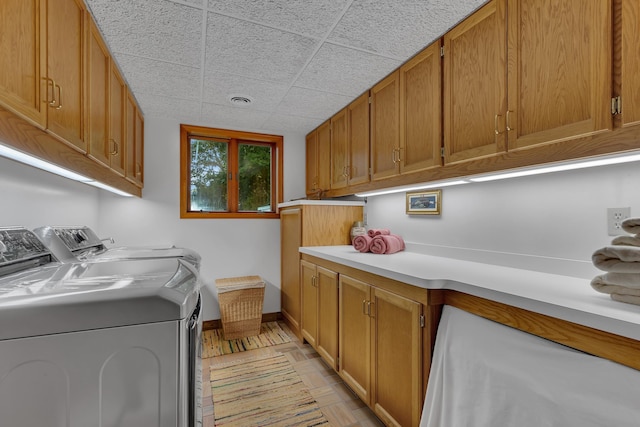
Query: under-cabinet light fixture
pixel 515 173
pixel 27 159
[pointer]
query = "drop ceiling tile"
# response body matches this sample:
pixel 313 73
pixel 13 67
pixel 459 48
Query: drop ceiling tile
pixel 233 118
pixel 184 110
pixel 156 29
pixel 398 29
pixel 312 103
pixel 311 18
pixel 160 78
pixel 255 51
pixel 282 123
pixel 345 71
pixel 218 87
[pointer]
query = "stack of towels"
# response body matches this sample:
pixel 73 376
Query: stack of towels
pixel 621 261
pixel 379 241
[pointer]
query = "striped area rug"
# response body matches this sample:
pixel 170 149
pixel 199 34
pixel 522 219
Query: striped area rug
pixel 213 344
pixel 262 392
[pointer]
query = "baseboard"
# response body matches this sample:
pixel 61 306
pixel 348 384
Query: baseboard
pixel 217 323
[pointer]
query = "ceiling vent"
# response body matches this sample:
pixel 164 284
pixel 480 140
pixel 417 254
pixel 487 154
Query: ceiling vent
pixel 240 100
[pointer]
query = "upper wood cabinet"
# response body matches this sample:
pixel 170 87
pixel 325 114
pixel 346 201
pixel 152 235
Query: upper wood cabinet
pixel 358 140
pixel 339 150
pixel 22 60
pixel 117 120
pixel 66 71
pixel 98 61
pixel 630 63
pixel 475 84
pixel 559 74
pixel 421 111
pixel 311 164
pixel 134 140
pixel 385 122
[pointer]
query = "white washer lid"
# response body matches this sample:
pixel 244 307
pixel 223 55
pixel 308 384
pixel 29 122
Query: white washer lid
pixel 59 298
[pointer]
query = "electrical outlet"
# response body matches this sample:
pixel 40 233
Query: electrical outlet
pixel 615 216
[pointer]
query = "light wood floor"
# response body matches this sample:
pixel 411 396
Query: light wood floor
pixel 339 405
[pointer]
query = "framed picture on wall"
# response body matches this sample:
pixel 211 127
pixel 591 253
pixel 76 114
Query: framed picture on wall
pixel 424 203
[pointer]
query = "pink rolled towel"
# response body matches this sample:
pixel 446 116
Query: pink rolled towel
pixel 387 244
pixel 362 243
pixel 378 231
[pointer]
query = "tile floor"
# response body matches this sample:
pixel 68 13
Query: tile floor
pixel 340 406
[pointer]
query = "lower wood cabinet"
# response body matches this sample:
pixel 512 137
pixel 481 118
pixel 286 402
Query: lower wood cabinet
pixel 320 310
pixel 380 348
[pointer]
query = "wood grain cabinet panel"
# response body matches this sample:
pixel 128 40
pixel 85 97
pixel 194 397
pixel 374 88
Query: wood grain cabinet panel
pixel 421 111
pixel 630 62
pixel 23 88
pixel 308 225
pixel 134 142
pixel 358 140
pixel 320 310
pixel 117 120
pixel 98 60
pixel 385 122
pixel 66 43
pixel 339 150
pixel 381 350
pixel 311 163
pixel 559 77
pixel 475 83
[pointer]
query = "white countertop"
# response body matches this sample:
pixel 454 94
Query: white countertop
pixel 564 297
pixel 320 202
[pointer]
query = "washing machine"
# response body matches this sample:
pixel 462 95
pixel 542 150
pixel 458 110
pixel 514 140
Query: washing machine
pixel 80 243
pixel 97 344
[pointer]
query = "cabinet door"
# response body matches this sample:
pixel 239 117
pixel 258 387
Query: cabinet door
pixel 475 85
pixel 559 70
pixel 23 88
pixel 355 336
pixel 630 64
pixel 327 337
pixel 324 156
pixel 130 138
pixel 396 355
pixel 117 120
pixel 66 66
pixel 308 285
pixel 358 140
pixel 98 96
pixel 290 241
pixel 421 111
pixel 311 164
pixel 138 146
pixel 385 122
pixel 339 152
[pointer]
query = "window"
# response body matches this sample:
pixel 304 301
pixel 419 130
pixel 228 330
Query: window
pixel 229 174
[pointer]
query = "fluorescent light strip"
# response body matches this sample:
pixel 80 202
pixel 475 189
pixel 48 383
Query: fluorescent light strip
pixel 581 164
pixel 21 157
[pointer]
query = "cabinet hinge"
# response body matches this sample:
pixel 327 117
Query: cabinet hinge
pixel 442 152
pixel 441 51
pixel 422 320
pixel 616 105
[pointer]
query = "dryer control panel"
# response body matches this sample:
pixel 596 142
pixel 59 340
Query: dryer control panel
pixel 19 244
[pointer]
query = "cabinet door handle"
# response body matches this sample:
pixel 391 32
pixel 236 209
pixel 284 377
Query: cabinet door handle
pixel 59 100
pixel 495 124
pixel 369 304
pixel 508 121
pixel 51 83
pixel 115 147
pixel 364 307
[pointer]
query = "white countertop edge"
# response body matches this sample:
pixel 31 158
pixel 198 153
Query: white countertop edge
pixel 320 202
pixel 563 297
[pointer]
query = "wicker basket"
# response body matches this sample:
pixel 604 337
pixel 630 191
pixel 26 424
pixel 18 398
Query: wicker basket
pixel 241 300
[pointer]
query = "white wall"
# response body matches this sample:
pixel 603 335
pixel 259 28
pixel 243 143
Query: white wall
pixel 554 221
pixel 229 247
pixel 32 198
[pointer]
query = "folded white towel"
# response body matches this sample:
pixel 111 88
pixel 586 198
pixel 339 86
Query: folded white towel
pixel 615 289
pixel 627 240
pixel 617 259
pixel 631 225
pixel 631 299
pixel 627 280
